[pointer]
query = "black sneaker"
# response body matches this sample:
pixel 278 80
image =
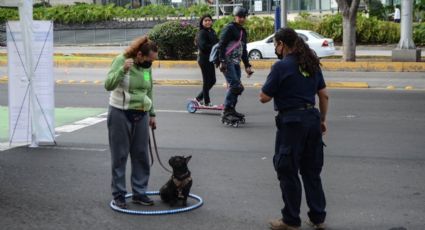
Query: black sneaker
pixel 120 202
pixel 143 200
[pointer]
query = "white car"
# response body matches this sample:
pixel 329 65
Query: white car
pixel 265 48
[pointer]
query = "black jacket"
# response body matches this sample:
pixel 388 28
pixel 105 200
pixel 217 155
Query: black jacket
pixel 206 39
pixel 232 33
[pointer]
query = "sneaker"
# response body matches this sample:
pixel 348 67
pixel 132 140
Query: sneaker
pixel 209 104
pixel 320 226
pixel 278 224
pixel 201 102
pixel 120 202
pixel 143 200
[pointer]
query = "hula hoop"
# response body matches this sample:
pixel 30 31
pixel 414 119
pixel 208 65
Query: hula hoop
pixel 157 212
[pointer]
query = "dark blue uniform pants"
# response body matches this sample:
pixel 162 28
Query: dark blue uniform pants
pixel 299 148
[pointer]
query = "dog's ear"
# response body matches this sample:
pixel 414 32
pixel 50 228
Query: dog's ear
pixel 171 161
pixel 187 159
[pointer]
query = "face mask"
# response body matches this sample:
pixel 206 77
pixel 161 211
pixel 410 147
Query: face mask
pixel 145 64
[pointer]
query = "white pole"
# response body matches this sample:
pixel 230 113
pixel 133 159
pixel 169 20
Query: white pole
pixel 26 21
pixel 283 14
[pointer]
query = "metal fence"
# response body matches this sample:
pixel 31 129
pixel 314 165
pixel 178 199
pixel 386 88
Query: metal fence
pixel 97 36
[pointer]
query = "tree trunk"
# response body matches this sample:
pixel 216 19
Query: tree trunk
pixel 349 38
pixel 349 14
pixel 406 40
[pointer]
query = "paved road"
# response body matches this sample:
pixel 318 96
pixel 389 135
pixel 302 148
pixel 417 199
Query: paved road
pixel 374 79
pixel 373 175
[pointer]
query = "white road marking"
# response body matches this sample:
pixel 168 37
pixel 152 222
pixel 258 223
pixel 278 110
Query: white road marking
pixel 170 111
pixel 73 148
pixel 86 122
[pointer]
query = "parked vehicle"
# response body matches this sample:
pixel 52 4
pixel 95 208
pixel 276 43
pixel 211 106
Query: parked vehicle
pixel 265 48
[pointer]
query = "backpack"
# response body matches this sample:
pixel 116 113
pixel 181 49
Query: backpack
pixel 214 53
pixel 214 50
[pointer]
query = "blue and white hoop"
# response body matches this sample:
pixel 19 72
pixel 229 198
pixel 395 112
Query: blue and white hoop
pixel 158 212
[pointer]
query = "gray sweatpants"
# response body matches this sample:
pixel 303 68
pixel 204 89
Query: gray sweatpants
pixel 124 138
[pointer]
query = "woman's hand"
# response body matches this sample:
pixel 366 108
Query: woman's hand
pixel 128 64
pixel 249 71
pixel 152 122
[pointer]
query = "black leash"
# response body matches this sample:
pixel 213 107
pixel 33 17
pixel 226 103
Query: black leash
pixel 156 151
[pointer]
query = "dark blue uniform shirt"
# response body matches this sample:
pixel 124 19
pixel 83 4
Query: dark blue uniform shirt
pixel 289 87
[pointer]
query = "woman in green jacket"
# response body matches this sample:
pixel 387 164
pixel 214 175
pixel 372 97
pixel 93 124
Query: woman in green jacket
pixel 130 114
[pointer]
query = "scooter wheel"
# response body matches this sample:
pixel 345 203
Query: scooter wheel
pixel 242 121
pixel 235 125
pixel 191 107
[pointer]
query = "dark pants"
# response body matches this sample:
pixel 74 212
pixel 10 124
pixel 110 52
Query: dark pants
pixel 233 78
pixel 127 137
pixel 299 149
pixel 209 79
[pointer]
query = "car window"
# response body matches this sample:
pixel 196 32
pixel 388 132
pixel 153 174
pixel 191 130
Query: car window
pixel 270 40
pixel 316 35
pixel 305 38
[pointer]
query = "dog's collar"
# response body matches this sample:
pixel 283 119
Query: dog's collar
pixel 182 177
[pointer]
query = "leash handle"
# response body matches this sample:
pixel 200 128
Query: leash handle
pixel 157 153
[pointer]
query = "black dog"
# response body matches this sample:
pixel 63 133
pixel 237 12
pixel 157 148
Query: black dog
pixel 178 186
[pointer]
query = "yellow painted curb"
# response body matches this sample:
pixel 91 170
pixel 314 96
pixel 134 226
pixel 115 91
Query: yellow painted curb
pixel 357 85
pixel 408 87
pixel 372 66
pixel 97 82
pixel 177 82
pixel 390 87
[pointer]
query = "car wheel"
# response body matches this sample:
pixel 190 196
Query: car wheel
pixel 255 55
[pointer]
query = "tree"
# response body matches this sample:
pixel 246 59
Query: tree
pixel 406 40
pixel 348 9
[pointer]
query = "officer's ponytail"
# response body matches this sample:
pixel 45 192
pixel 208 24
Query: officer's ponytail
pixel 306 57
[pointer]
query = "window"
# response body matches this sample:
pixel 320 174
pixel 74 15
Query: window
pixel 316 35
pixel 305 38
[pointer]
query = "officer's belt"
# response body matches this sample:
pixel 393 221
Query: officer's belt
pixel 305 107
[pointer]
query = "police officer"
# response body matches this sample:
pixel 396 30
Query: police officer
pixel 294 82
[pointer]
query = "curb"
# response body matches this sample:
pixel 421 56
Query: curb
pixel 330 84
pixel 362 66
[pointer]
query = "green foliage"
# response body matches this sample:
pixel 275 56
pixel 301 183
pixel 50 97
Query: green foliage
pixel 376 9
pixel 175 40
pixel 85 13
pixel 259 27
pixel 8 14
pixel 198 10
pixel 221 23
pixel 419 34
pixel 305 21
pixel 331 27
